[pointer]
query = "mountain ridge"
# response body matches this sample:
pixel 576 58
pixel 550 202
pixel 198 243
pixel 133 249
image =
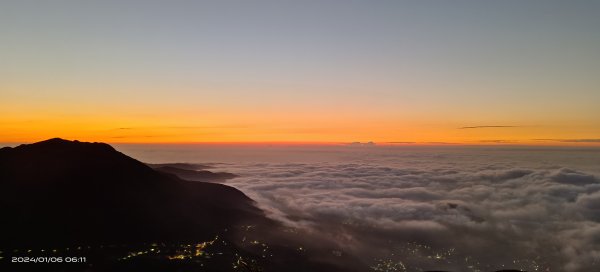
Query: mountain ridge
pixel 65 192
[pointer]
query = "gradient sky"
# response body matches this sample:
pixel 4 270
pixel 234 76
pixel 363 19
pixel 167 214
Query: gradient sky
pixel 476 72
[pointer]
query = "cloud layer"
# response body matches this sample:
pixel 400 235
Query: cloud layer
pixel 449 209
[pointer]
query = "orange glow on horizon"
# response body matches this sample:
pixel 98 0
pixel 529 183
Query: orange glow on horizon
pixel 99 132
pixel 171 125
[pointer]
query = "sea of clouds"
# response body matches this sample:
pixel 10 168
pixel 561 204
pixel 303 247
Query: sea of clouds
pixel 436 208
pixel 473 209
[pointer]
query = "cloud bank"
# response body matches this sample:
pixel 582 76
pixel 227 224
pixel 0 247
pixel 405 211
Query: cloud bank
pixel 460 211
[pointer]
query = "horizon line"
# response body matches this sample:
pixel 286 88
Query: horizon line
pixel 483 143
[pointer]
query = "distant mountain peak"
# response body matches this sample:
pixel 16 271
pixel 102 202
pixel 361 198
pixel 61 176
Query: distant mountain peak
pixel 55 141
pixel 61 141
pixel 54 144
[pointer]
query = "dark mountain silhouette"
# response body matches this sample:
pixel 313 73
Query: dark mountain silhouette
pixel 58 192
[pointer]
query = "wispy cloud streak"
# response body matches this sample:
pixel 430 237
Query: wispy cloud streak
pixel 474 127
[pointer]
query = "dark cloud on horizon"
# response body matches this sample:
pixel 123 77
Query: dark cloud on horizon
pixel 361 144
pixel 499 141
pixel 473 127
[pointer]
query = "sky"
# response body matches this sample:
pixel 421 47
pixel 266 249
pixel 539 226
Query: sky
pixel 468 72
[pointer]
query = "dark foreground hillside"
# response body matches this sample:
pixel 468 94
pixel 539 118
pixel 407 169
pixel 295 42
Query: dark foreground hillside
pixel 61 192
pixel 75 206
